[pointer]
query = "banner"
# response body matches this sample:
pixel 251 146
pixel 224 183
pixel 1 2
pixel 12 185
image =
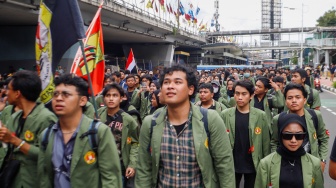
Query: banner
pixel 60 25
pixel 94 54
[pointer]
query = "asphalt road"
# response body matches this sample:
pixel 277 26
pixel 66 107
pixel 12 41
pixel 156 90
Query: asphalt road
pixel 328 110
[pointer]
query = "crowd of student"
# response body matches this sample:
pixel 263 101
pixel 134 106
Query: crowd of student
pixel 174 128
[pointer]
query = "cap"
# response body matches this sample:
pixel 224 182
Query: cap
pixel 215 82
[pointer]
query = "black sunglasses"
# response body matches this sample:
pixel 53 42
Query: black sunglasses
pixel 289 136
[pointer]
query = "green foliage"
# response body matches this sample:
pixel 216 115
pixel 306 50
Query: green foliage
pixel 328 19
pixel 294 59
pixel 334 84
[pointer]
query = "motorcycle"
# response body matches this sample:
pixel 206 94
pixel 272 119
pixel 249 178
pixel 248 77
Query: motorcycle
pixel 317 84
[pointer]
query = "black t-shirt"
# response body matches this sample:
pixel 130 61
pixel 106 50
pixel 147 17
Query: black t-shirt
pixel 259 104
pixel 129 94
pixel 241 152
pixel 333 152
pixel 291 174
pixel 179 128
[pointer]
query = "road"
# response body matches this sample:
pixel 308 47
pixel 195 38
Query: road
pixel 328 110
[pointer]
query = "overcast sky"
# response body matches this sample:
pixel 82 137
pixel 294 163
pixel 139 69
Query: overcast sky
pixel 246 14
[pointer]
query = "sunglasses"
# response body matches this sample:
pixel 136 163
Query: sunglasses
pixel 289 136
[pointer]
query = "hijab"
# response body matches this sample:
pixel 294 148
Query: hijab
pixel 283 122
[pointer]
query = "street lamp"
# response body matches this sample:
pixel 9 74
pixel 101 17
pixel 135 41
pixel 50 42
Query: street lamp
pixel 301 47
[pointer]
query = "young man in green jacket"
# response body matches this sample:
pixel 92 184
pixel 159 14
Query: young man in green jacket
pixel 316 141
pixel 248 132
pixel 124 129
pixel 177 150
pixel 206 93
pixel 299 76
pixel 23 128
pixel 68 156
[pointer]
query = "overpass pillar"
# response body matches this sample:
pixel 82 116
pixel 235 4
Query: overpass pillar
pixel 316 58
pixel 149 56
pixel 326 55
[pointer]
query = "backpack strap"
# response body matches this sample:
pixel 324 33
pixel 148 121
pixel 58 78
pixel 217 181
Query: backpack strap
pixel 310 99
pixel 92 135
pixel 270 101
pixel 315 119
pixel 204 112
pixel 46 136
pixel 151 130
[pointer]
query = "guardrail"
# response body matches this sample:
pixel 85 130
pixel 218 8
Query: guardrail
pixel 111 4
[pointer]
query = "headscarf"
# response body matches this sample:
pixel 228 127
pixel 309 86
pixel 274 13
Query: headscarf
pixel 283 122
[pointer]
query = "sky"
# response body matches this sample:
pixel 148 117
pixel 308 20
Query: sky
pixel 246 14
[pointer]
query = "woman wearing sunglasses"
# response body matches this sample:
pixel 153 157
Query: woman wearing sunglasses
pixel 290 165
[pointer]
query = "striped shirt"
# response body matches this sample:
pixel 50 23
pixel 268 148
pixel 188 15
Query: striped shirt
pixel 178 163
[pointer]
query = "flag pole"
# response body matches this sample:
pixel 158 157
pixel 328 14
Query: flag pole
pixel 89 79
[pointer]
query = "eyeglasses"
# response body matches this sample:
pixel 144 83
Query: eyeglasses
pixel 289 136
pixel 64 94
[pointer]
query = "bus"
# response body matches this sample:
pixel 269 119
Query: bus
pixel 212 67
pixel 275 63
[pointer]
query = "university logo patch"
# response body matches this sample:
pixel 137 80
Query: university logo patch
pixel 29 136
pixel 206 143
pixel 129 140
pixel 90 157
pixel 257 130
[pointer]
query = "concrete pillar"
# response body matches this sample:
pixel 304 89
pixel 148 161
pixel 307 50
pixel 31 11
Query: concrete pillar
pixel 326 55
pixel 316 60
pixel 158 54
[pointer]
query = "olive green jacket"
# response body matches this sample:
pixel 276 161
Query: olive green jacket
pixel 278 101
pixel 104 171
pixel 259 134
pixel 145 104
pixel 215 160
pixel 135 99
pixel 219 107
pixel 35 123
pixel 269 172
pixel 318 139
pixel 129 139
pixel 6 113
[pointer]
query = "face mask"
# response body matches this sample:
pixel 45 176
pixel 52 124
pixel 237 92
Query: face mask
pixel 246 75
pixel 216 89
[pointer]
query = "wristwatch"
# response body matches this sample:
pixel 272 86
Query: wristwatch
pixel 324 161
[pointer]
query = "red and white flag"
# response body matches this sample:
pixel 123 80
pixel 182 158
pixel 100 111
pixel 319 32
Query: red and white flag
pixel 130 64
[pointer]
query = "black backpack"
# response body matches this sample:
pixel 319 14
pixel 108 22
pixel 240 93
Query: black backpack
pixel 204 112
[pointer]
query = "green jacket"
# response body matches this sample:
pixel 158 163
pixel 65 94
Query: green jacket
pixel 219 107
pixel 278 101
pixel 269 171
pixel 6 113
pixel 35 123
pixel 99 99
pixel 135 99
pixel 129 140
pixel 145 103
pixel 259 134
pixel 316 97
pixel 105 171
pixel 318 139
pixel 216 163
pixel 89 110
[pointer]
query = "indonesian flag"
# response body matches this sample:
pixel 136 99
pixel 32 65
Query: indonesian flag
pixel 130 64
pixel 94 54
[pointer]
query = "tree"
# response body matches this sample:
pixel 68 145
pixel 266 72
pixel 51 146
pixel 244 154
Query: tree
pixel 328 19
pixel 294 59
